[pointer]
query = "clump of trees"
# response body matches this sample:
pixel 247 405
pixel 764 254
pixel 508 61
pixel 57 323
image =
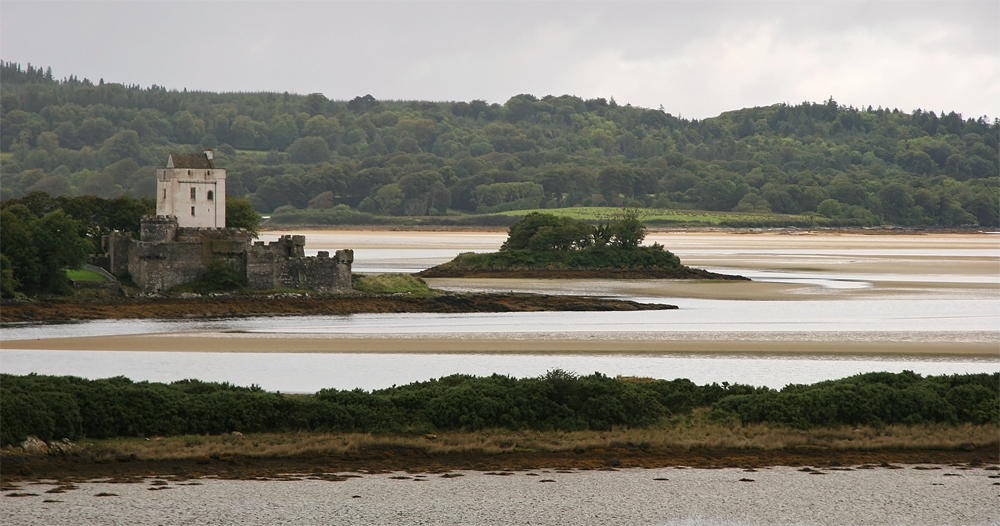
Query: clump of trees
pixel 842 165
pixel 54 407
pixel 35 251
pixel 873 398
pixel 546 241
pixel 538 231
pixel 240 214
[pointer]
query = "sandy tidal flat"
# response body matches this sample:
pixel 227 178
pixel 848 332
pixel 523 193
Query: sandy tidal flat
pixel 946 287
pixel 223 342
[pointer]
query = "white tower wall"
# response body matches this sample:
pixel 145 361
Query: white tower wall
pixel 196 196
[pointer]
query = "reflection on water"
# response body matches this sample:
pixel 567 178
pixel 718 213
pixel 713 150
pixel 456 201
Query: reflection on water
pixel 310 372
pixel 861 280
pixel 782 496
pixel 964 320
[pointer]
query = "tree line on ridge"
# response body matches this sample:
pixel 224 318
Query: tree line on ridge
pixel 366 158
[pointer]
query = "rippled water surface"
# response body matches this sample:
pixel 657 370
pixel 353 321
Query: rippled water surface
pixel 694 315
pixel 775 496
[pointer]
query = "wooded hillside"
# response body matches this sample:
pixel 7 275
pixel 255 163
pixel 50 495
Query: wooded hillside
pixel 840 165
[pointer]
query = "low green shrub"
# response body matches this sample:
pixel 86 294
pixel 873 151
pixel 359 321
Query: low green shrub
pixel 55 407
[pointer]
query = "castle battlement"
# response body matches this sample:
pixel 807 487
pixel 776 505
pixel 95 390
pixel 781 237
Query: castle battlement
pixel 286 246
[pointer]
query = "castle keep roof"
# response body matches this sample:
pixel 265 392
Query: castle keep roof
pixel 200 161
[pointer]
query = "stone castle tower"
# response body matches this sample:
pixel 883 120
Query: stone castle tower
pixel 193 190
pixel 188 233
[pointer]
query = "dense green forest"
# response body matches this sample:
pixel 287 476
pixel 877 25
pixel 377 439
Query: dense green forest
pixel 54 407
pixel 359 160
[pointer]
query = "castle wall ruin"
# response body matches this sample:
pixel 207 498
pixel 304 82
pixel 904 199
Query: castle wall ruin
pixel 168 255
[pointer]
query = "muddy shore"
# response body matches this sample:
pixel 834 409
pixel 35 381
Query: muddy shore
pixel 70 468
pixel 682 272
pixel 238 306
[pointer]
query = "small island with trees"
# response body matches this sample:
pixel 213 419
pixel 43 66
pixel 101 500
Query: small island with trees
pixel 548 246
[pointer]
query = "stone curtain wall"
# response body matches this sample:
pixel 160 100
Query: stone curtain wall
pixel 168 256
pixel 270 266
pixel 156 267
pixel 116 253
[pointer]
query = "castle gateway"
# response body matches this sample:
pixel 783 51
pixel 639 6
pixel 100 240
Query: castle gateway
pixel 188 233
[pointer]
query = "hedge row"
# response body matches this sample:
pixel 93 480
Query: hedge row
pixel 52 407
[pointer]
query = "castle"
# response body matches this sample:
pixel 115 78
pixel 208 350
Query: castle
pixel 188 233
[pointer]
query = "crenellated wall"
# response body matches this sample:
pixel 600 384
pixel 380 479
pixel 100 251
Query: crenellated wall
pixel 283 264
pixel 167 256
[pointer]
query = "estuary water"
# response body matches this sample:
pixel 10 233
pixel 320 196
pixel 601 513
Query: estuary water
pixel 933 299
pixel 310 372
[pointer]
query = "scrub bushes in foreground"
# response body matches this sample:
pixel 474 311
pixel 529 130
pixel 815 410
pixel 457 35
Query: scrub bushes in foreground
pixel 874 398
pixel 54 407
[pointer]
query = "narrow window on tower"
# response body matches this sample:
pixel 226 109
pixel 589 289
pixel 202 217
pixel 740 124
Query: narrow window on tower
pixel 211 195
pixel 193 193
pixel 192 210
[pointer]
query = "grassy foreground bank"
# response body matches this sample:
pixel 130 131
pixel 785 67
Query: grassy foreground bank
pixel 696 432
pixel 334 457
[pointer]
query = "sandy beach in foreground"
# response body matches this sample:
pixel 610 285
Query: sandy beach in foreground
pixel 225 342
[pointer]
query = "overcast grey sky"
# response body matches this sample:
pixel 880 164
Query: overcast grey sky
pixel 696 58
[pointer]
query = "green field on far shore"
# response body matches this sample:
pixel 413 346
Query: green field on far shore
pixel 660 215
pixel 342 215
